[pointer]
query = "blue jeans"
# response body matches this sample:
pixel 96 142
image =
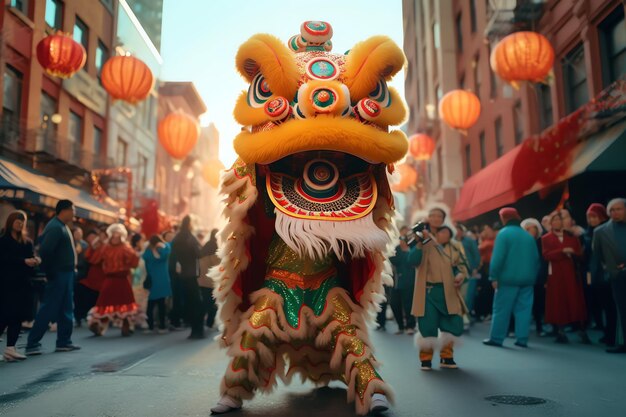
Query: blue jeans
pixel 512 299
pixel 57 306
pixel 470 298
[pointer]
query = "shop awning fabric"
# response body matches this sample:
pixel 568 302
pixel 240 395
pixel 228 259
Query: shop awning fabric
pixel 21 183
pixel 494 186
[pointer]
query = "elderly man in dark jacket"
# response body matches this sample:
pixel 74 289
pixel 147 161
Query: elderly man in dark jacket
pixel 186 253
pixel 404 285
pixel 58 257
pixel 609 242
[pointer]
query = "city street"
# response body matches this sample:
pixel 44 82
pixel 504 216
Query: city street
pixel 151 375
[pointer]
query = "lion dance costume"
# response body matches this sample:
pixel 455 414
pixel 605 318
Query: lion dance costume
pixel 310 215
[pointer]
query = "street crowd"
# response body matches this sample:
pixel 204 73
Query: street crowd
pixel 102 277
pixel 551 273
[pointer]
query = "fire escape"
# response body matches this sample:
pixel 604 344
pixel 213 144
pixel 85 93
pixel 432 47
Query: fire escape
pixel 508 16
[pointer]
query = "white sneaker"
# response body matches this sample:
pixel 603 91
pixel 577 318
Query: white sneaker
pixel 10 353
pixel 379 404
pixel 226 404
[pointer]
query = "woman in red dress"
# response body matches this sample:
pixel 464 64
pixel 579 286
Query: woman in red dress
pixel 116 303
pixel 565 300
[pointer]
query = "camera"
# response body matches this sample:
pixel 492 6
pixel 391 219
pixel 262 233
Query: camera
pixel 418 229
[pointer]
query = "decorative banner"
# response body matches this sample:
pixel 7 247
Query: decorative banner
pixel 127 78
pixel 460 109
pixel 408 178
pixel 60 55
pixel 211 172
pixel 421 147
pixel 178 133
pixel 523 56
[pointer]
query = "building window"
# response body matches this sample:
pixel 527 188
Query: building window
pixel 462 82
pixel 54 14
pixel 613 46
pixel 142 171
pixel 21 5
pixel 122 152
pixel 518 120
pixel 75 128
pixel 493 80
pixel 98 135
pixel 102 55
pixel 81 33
pixel 483 151
pixel 48 109
pixel 575 79
pixel 436 40
pixel 473 15
pixel 468 161
pixel 499 141
pixel 440 166
pixel 477 75
pixel 12 98
pixel 459 32
pixel 544 99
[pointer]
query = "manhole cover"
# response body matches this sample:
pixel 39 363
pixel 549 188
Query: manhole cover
pixel 515 400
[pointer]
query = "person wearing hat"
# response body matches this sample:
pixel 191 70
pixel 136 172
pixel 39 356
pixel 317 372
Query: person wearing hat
pixel 513 271
pixel 565 300
pixel 437 303
pixel 535 229
pixel 598 288
pixel 116 302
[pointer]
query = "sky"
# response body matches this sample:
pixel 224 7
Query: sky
pixel 200 39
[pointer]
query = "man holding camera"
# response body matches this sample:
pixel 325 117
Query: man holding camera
pixel 437 303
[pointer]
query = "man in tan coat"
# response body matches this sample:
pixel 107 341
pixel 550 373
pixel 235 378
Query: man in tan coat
pixel 437 303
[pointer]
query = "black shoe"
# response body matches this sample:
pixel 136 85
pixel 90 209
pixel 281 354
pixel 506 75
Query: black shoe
pixel 196 336
pixel 447 363
pixel 489 342
pixel 427 365
pixel 617 349
pixel 67 348
pixel 522 345
pixel 562 339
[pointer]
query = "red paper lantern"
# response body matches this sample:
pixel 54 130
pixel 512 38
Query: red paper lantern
pixel 523 56
pixel 127 78
pixel 60 55
pixel 460 109
pixel 421 146
pixel 178 133
pixel 408 178
pixel 211 172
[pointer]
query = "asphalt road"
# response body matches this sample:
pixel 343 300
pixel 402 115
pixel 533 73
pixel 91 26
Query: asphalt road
pixel 168 375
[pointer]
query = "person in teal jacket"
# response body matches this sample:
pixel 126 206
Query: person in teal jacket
pixel 156 257
pixel 513 271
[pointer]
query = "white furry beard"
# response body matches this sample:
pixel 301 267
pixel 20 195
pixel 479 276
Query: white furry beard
pixel 317 238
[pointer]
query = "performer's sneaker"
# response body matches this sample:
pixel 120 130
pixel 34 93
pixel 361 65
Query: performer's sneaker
pixel 226 404
pixel 448 363
pixel 379 404
pixel 427 366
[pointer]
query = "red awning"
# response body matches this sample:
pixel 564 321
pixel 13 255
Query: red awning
pixel 488 189
pixel 494 186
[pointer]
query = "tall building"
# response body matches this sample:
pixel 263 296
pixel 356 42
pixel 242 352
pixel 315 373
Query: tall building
pixel 150 14
pixel 448 44
pixel 431 72
pixel 53 132
pixel 132 129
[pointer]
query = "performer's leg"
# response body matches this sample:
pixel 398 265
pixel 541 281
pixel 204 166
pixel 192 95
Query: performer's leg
pixel 352 356
pixel 254 360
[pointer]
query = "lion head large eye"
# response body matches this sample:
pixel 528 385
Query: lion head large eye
pixel 381 93
pixel 259 91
